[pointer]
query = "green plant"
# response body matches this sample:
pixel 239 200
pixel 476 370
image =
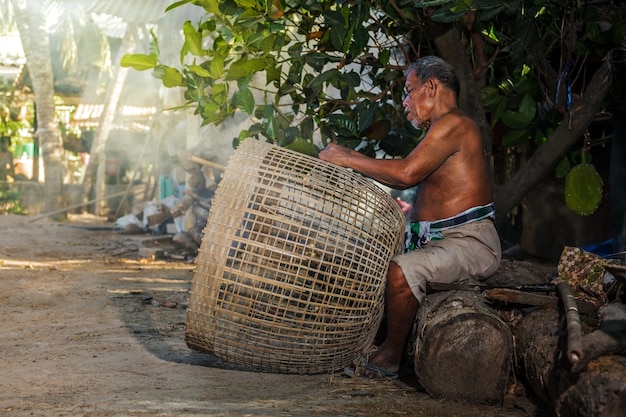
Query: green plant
pixel 10 202
pixel 306 72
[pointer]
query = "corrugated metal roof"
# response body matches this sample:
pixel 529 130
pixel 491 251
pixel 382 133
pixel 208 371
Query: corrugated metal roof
pixel 11 52
pixel 8 74
pixel 136 11
pixel 134 118
pixel 143 11
pixel 94 111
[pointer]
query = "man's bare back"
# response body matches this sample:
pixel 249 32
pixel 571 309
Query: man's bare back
pixel 462 180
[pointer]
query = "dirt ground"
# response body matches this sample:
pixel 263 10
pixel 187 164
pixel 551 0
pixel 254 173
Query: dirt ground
pixel 89 329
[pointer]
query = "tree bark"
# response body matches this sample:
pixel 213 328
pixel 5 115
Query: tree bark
pixel 36 44
pixel 447 40
pixel 548 155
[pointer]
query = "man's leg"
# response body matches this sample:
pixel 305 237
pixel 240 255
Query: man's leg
pixel 401 310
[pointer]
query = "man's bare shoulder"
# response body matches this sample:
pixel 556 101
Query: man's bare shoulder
pixel 452 130
pixel 458 119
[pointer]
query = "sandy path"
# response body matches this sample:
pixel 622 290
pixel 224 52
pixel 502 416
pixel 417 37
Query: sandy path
pixel 80 339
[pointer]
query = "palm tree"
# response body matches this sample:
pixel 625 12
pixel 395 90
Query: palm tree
pixel 73 26
pixel 31 24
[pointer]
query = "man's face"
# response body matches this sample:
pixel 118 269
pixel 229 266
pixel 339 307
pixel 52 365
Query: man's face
pixel 415 95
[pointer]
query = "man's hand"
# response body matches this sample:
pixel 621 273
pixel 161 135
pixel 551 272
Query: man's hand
pixel 336 154
pixel 406 207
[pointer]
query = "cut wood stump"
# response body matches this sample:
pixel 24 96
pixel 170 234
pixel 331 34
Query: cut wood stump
pixel 463 349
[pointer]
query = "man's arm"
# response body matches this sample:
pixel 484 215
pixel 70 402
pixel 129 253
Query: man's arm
pixel 436 147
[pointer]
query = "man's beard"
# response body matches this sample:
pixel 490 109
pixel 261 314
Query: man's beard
pixel 420 125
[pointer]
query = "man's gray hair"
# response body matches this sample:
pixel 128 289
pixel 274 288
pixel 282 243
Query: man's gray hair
pixel 434 67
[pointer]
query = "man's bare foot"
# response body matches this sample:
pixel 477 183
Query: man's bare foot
pixel 379 364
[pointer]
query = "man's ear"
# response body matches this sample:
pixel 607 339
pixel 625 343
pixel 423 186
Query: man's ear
pixel 431 85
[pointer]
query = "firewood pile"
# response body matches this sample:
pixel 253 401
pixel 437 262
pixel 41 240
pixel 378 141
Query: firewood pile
pixel 203 176
pixel 572 355
pixel 183 216
pixel 562 332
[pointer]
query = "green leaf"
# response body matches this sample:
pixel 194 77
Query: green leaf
pixel 270 127
pixel 210 113
pixel 583 189
pixel 460 6
pixel 193 39
pixel 527 108
pixel 170 77
pixel 177 4
pixel 154 44
pixel 306 128
pixel 216 67
pixel 303 146
pixel 515 137
pixel 352 78
pixel 448 15
pixel 383 57
pixel 514 120
pixel 244 68
pixel 249 17
pixel 343 124
pixel 211 6
pixel 245 101
pixel 219 93
pixel 316 60
pixel 499 110
pixel 198 70
pixel 361 38
pixel 431 3
pixel 366 111
pixel 272 74
pixel 334 18
pixel 490 96
pixel 317 83
pixel 247 3
pixel 140 62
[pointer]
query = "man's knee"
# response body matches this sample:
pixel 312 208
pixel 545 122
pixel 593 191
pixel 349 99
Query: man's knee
pixel 396 279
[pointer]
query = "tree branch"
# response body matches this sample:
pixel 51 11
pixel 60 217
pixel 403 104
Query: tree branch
pixel 548 155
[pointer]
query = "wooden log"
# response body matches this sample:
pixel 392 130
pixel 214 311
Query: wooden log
pixel 593 387
pixel 205 162
pixel 512 272
pixel 537 352
pixel 515 296
pixel 597 390
pixel 608 339
pixel 463 350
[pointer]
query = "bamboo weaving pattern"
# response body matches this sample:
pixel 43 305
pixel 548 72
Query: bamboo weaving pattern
pixel 290 274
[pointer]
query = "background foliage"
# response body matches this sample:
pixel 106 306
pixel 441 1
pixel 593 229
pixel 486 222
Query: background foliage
pixel 309 72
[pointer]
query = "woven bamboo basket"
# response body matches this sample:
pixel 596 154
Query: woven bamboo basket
pixel 290 274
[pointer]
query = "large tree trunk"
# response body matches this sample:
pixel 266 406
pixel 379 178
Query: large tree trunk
pixel 36 44
pixel 94 179
pixel 447 40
